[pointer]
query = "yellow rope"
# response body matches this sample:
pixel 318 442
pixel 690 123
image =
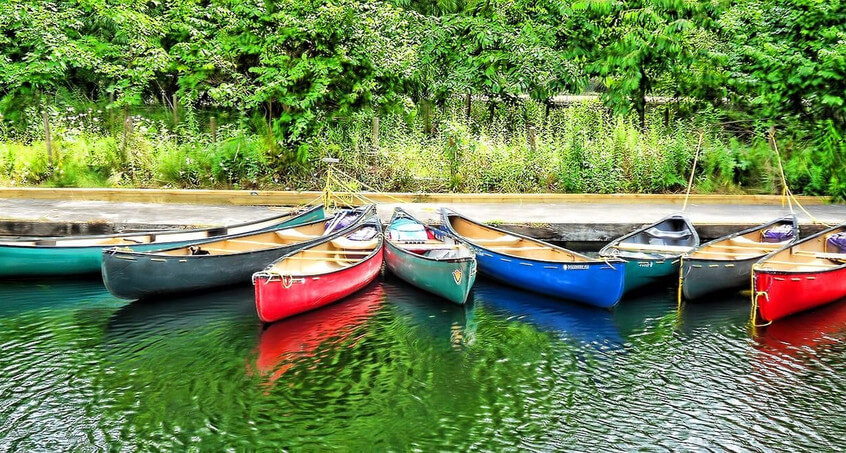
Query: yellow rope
pixel 398 200
pixel 753 315
pixel 693 170
pixel 681 281
pixel 785 189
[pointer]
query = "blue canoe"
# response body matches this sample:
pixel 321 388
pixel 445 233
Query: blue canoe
pixel 538 266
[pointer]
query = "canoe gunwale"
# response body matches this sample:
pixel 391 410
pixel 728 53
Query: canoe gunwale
pixel 369 216
pixel 762 260
pixel 446 212
pixel 791 217
pixel 680 216
pixel 159 253
pixel 11 243
pixel 398 213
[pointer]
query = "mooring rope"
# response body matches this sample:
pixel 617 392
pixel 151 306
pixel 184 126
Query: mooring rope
pixel 693 170
pixel 753 315
pixel 786 192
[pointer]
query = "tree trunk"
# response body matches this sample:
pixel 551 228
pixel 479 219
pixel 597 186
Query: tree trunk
pixel 47 139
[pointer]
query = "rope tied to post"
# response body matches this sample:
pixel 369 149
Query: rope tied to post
pixel 787 194
pixel 693 170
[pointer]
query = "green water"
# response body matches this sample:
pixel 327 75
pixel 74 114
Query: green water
pixel 393 368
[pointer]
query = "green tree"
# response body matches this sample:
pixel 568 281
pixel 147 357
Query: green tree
pixel 644 45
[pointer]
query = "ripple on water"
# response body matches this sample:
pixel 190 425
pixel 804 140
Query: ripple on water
pixel 393 367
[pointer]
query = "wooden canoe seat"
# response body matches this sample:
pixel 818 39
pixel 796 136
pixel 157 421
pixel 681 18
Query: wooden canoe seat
pixel 664 234
pixel 506 248
pixel 248 242
pixel 424 247
pixel 344 243
pixel 294 235
pixel 217 251
pixel 745 254
pixel 502 240
pixel 799 266
pixel 823 255
pixel 741 241
pixel 652 247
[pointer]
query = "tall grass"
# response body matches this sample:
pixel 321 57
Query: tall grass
pixel 580 148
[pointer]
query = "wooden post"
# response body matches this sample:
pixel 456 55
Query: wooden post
pixel 110 112
pixel 127 134
pixel 530 134
pixel 213 127
pixel 47 139
pixel 175 110
pixel 427 116
pixel 375 134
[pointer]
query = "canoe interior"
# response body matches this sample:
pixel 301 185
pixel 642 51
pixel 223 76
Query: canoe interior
pixel 668 237
pixel 160 237
pixel 254 242
pixel 508 244
pixel 813 254
pixel 745 245
pixel 436 247
pixel 330 256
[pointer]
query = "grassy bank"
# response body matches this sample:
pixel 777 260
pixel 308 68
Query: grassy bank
pixel 523 148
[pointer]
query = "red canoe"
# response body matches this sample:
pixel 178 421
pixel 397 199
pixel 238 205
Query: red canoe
pixel 320 274
pixel 808 274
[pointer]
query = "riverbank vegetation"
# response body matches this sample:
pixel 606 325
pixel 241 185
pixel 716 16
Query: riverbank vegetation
pixel 425 96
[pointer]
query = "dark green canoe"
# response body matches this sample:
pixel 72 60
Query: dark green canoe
pixel 726 262
pixel 427 259
pixel 652 253
pixel 84 254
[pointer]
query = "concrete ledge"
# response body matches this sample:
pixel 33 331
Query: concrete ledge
pixel 290 198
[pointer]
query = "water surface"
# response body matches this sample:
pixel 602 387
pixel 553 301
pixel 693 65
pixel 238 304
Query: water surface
pixel 393 367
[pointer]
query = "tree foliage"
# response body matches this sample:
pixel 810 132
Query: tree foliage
pixel 287 66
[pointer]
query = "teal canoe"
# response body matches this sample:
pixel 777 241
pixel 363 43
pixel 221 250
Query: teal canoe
pixel 652 253
pixel 429 260
pixel 62 256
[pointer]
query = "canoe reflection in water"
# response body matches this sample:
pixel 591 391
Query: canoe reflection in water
pixel 805 334
pixel 181 316
pixel 284 343
pixel 578 322
pixel 443 325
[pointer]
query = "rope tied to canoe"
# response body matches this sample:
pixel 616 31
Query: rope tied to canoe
pixel 693 170
pixel 753 315
pixel 681 281
pixel 787 194
pixel 351 190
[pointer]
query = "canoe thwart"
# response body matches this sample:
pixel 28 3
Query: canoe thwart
pixel 652 247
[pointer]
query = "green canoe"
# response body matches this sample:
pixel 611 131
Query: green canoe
pixel 429 260
pixel 652 252
pixel 31 257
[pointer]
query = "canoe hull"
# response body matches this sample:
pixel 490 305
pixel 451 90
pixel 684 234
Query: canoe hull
pixel 450 279
pixel 781 294
pixel 643 272
pixel 131 276
pixel 62 261
pixel 281 297
pixel 597 284
pixel 701 277
pixel 45 261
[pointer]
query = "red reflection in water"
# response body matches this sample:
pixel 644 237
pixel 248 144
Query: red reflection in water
pixel 300 336
pixel 823 326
